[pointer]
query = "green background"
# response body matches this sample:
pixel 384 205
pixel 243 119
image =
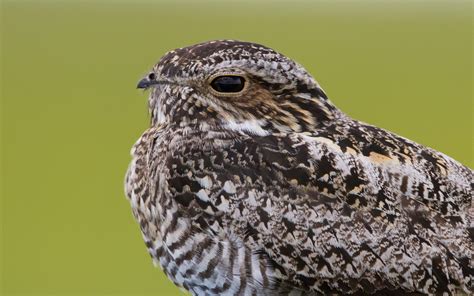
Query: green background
pixel 70 111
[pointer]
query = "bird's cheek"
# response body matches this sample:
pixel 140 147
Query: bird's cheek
pixel 163 93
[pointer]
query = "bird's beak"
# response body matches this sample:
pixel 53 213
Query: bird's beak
pixel 145 83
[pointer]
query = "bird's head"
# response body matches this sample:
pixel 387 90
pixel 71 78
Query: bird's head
pixel 236 84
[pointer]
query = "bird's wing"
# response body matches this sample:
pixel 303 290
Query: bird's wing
pixel 327 220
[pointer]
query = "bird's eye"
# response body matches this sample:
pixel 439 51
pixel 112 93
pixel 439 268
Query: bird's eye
pixel 228 84
pixel 151 76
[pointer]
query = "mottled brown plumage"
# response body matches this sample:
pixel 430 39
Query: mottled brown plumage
pixel 250 181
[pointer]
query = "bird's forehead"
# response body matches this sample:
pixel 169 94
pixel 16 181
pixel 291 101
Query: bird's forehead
pixel 213 55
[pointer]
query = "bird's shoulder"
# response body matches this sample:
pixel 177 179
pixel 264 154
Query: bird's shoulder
pixel 340 160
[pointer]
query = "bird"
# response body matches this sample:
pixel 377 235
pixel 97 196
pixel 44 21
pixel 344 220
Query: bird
pixel 250 181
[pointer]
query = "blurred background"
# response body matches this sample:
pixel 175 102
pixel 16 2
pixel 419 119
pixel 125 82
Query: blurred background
pixel 70 111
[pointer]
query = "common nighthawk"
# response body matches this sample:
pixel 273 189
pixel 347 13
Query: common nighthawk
pixel 250 181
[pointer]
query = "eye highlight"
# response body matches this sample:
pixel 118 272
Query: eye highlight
pixel 228 84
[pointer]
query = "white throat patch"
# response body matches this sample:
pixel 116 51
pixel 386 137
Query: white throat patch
pixel 252 126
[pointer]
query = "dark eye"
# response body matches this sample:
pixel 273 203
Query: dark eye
pixel 228 84
pixel 151 76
